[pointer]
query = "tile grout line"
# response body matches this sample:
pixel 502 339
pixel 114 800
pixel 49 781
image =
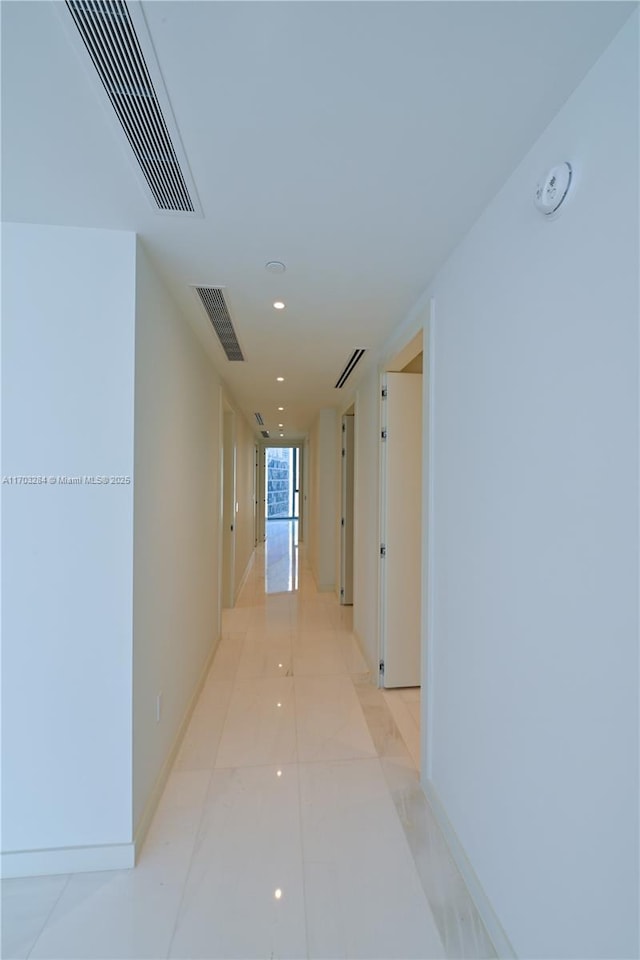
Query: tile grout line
pixel 49 915
pixel 200 819
pixel 300 823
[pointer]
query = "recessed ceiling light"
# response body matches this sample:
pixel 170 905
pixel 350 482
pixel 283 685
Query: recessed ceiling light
pixel 275 266
pixel 280 379
pixel 281 424
pixel 280 408
pixel 282 434
pixel 278 305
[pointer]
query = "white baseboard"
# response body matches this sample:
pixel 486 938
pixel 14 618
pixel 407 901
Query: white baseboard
pixel 44 863
pixel 501 942
pixel 116 856
pixel 142 827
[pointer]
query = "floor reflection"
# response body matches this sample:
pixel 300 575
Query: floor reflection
pixel 281 556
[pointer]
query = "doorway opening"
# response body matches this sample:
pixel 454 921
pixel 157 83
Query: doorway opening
pixel 228 584
pixel 347 494
pixel 401 551
pixel 281 518
pixel 282 465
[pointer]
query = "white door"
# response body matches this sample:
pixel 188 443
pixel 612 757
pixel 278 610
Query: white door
pixel 346 519
pixel 401 564
pixel 228 510
pixel 256 495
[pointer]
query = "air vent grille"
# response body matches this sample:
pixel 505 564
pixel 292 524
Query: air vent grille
pixel 112 43
pixel 265 434
pixel 258 417
pixel 214 303
pixel 355 357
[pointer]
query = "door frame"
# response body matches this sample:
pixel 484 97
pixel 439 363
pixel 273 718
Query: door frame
pixel 400 352
pixel 300 447
pixel 397 365
pixel 228 504
pixel 347 511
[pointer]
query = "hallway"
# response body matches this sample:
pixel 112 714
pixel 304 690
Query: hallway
pixel 292 824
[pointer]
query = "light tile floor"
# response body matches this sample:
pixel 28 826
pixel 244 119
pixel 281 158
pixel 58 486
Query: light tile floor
pixel 292 824
pixel 404 705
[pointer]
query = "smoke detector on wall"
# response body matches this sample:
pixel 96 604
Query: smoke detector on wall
pixel 553 189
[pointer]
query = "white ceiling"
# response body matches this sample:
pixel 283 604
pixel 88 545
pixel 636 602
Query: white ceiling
pixel 355 141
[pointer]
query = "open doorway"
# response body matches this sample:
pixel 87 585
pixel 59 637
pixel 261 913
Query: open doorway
pixel 228 506
pixel 401 561
pixel 282 501
pixel 347 493
pixel 281 517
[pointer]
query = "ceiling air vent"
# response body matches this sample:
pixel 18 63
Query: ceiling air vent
pixel 258 417
pixel 214 303
pixel 349 368
pixel 265 434
pixel 108 33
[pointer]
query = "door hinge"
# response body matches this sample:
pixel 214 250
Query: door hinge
pixel 343 452
pixel 383 549
pixel 342 593
pixel 342 522
pixel 383 434
pixel 381 666
pixel 384 393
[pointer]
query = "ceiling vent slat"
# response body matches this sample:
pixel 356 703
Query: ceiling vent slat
pixel 258 417
pixel 213 301
pixel 109 35
pixel 355 357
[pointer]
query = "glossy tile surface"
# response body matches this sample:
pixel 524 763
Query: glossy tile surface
pixel 404 705
pixel 26 907
pixel 292 825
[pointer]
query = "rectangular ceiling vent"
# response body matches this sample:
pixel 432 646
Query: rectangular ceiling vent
pixel 349 368
pixel 258 417
pixel 214 303
pixel 108 33
pixel 265 434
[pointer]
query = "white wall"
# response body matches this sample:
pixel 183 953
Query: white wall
pixel 68 371
pixel 177 503
pixel 535 645
pixel 323 499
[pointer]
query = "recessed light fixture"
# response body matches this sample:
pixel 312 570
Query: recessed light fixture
pixel 281 424
pixel 280 408
pixel 282 434
pixel 275 266
pixel 278 305
pixel 280 379
pixel 278 894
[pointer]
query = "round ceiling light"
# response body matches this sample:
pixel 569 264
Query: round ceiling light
pixel 275 266
pixel 278 305
pixel 280 379
pixel 280 408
